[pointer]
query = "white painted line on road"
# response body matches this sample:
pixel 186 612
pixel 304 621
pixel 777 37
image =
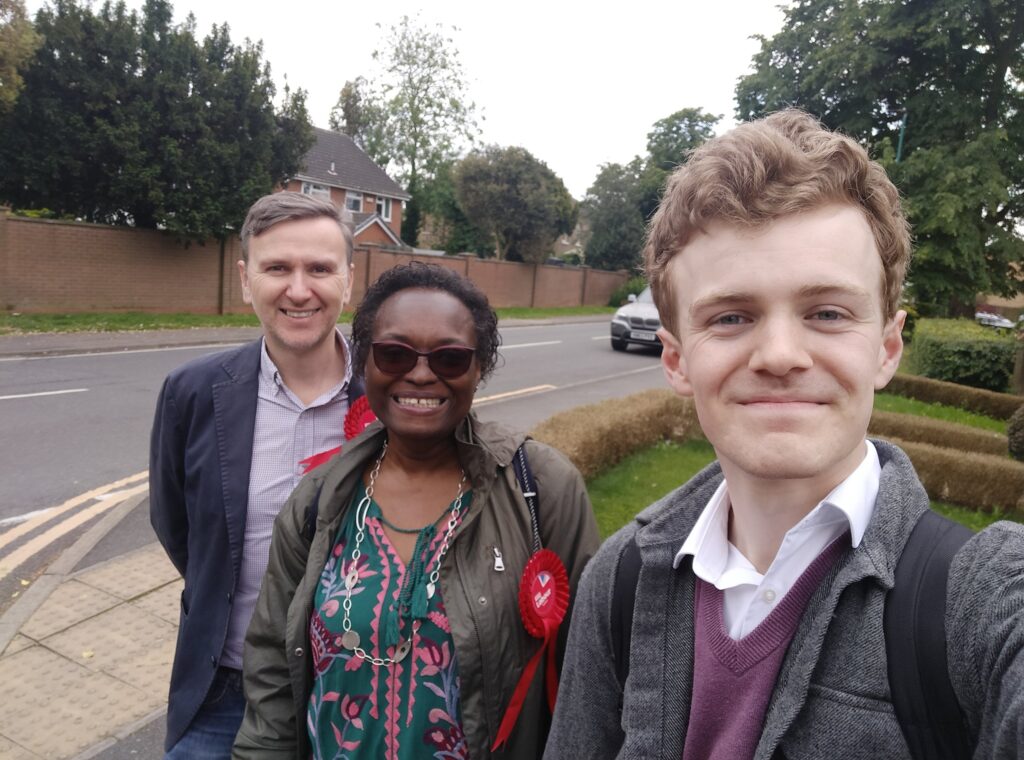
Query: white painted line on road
pixel 22 518
pixel 117 353
pixel 61 529
pixel 42 516
pixel 531 345
pixel 601 337
pixel 497 398
pixel 44 393
pixel 511 394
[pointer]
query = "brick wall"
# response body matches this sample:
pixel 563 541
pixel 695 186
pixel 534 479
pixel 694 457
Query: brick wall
pixel 56 266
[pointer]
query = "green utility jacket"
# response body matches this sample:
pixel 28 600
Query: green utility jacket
pixel 491 643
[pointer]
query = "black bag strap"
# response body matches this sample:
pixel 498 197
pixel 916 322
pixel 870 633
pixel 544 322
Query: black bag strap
pixel 915 643
pixel 524 477
pixel 623 602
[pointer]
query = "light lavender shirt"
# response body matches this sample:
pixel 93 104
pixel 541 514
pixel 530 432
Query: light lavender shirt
pixel 287 431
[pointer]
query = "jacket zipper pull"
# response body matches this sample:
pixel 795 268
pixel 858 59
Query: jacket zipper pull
pixel 499 563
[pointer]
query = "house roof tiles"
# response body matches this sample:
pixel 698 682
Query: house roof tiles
pixel 337 161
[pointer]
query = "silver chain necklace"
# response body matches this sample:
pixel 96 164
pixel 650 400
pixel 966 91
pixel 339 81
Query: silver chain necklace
pixel 350 638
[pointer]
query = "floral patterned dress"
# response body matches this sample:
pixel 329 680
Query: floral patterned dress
pixel 402 711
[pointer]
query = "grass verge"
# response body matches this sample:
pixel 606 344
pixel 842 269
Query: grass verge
pixel 11 324
pixel 888 402
pixel 619 493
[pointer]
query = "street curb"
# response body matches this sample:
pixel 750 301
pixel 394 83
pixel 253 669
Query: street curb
pixel 19 612
pixel 156 340
pixel 120 735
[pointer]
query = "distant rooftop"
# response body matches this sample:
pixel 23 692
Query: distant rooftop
pixel 337 161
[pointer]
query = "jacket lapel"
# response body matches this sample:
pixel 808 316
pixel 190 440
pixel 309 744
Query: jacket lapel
pixel 900 501
pixel 234 411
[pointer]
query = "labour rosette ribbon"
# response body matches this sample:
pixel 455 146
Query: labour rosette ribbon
pixel 543 601
pixel 359 416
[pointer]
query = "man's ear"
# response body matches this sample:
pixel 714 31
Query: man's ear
pixel 674 364
pixel 891 350
pixel 243 274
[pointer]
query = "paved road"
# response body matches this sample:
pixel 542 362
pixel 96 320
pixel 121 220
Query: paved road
pixel 93 429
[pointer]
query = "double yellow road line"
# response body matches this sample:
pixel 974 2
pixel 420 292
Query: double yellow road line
pixel 106 497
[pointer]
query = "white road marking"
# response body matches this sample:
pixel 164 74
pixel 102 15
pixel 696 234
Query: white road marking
pixel 22 518
pixel 511 394
pixel 42 516
pixel 531 345
pixel 44 393
pixel 601 337
pixel 61 529
pixel 117 353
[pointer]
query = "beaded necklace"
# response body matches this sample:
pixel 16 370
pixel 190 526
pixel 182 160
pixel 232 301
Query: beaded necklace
pixel 350 639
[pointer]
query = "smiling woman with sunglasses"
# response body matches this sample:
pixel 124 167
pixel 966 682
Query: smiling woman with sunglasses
pixel 389 622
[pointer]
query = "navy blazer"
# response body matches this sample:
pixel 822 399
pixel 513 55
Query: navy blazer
pixel 200 455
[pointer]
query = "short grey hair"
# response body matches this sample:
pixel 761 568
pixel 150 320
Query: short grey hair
pixel 290 206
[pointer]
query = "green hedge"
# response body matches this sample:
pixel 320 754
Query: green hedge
pixel 599 436
pixel 964 352
pixel 632 286
pixel 992 404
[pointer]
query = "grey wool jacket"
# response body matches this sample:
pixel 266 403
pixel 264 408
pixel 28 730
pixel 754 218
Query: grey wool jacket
pixel 831 698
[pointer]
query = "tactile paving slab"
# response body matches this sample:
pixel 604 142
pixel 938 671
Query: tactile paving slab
pixel 56 709
pixel 133 574
pixel 165 602
pixel 124 642
pixel 11 751
pixel 71 603
pixel 18 643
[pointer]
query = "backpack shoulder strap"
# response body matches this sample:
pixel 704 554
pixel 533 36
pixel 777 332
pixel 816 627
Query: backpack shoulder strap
pixel 915 642
pixel 527 484
pixel 623 601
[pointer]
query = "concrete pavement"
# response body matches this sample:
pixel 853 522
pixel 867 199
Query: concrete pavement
pixel 86 648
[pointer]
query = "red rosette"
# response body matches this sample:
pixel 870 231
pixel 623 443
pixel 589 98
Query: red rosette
pixel 359 416
pixel 543 602
pixel 543 593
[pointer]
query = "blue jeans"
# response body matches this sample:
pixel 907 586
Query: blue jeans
pixel 212 731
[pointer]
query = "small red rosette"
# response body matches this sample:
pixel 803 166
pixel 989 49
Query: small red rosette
pixel 543 601
pixel 359 416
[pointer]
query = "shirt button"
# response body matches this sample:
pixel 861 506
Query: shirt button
pixel 482 600
pixel 768 596
pixel 298 651
pixel 213 660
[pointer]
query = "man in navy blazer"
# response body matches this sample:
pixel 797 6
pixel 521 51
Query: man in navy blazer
pixel 233 434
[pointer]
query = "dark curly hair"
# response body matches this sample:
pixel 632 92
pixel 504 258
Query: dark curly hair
pixel 417 274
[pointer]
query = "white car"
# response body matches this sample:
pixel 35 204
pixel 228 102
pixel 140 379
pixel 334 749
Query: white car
pixel 992 320
pixel 636 323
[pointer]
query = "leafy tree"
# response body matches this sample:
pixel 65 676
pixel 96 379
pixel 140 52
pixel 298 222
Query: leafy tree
pixel 950 73
pixel 18 41
pixel 127 118
pixel 413 118
pixel 622 198
pixel 612 208
pixel 517 199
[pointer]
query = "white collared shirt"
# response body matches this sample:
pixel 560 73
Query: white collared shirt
pixel 748 595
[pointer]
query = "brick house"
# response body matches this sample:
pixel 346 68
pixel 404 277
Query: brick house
pixel 338 169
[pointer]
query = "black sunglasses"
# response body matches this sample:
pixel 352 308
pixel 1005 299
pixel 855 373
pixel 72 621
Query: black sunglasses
pixel 449 362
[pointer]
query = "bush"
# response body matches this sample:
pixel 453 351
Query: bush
pixel 632 286
pixel 598 436
pixel 949 435
pixel 980 481
pixel 961 351
pixel 910 324
pixel 1015 434
pixel 998 405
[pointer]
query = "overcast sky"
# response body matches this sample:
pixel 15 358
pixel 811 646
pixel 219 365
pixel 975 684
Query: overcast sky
pixel 576 86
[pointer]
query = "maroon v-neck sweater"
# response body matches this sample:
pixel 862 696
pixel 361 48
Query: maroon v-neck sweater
pixel 733 680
